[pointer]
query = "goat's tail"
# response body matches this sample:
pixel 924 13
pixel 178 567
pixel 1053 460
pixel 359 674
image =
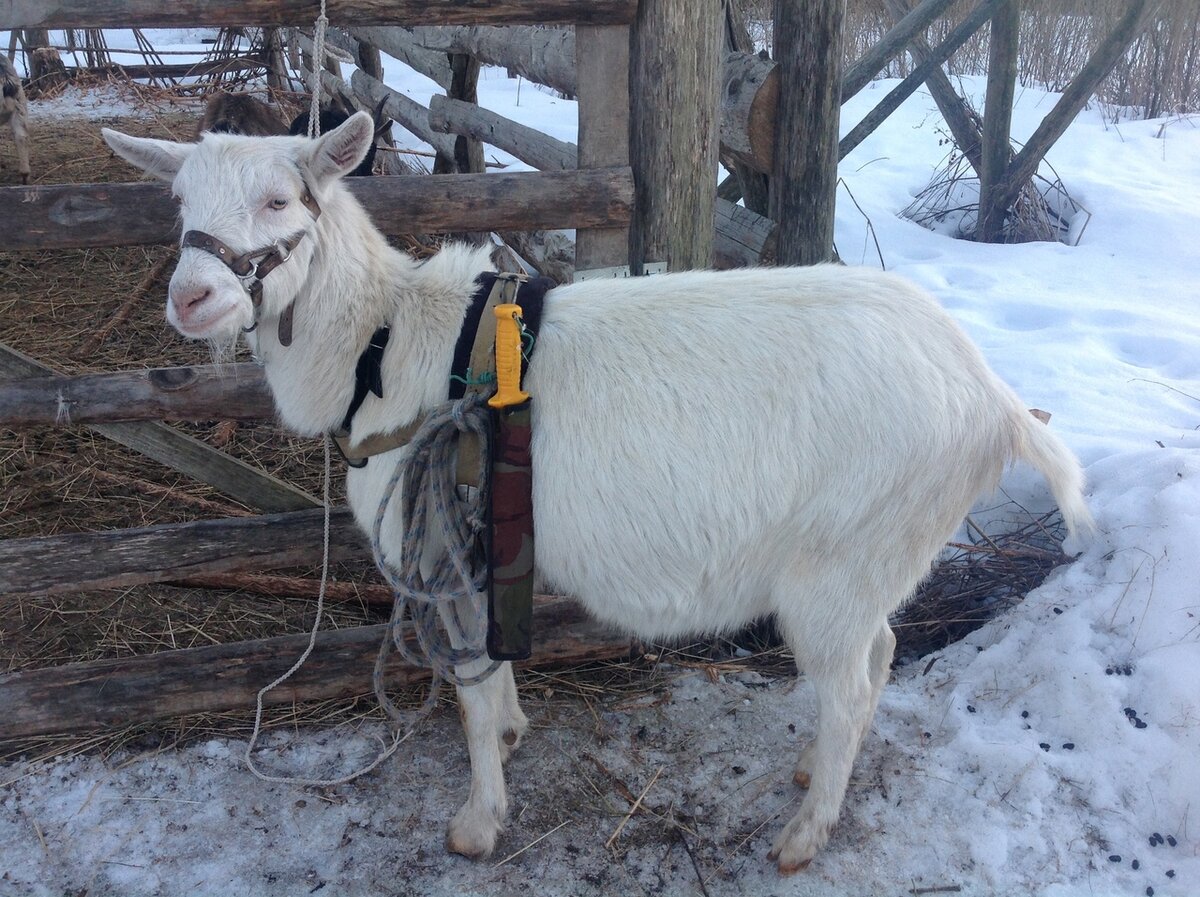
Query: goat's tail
pixel 1049 455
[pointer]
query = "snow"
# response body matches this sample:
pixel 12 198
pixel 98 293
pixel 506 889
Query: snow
pixel 1014 762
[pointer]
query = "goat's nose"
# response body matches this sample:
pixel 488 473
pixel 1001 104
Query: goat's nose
pixel 186 300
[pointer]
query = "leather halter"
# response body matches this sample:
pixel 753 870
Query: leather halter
pixel 250 274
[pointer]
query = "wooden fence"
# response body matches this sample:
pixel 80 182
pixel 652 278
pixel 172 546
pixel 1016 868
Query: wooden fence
pixel 626 212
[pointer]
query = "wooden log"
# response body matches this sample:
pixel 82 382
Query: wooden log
pixel 744 183
pixel 181 452
pixel 112 693
pixel 90 215
pixel 1076 95
pixel 749 100
pixel 276 586
pixel 997 120
pixel 673 100
pixel 165 70
pixel 401 44
pixel 77 562
pixel 200 393
pixel 212 13
pixel 744 237
pixel 955 39
pixel 603 76
pixel 544 55
pixel 808 41
pixel 543 152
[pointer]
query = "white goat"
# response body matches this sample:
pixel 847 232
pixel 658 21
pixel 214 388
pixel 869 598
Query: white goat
pixel 14 112
pixel 709 448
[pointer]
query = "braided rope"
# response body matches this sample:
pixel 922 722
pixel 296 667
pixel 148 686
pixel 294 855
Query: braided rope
pixel 314 108
pixel 444 611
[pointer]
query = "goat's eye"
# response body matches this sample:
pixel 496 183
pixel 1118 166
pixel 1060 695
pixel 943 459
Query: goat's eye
pixel 278 203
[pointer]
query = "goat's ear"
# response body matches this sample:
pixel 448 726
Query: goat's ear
pixel 338 152
pixel 160 158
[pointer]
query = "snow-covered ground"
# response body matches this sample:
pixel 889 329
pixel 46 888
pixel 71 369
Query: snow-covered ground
pixel 1039 756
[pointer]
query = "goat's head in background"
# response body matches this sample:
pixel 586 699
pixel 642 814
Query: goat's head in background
pixel 249 193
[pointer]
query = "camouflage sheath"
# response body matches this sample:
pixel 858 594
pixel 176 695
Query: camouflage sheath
pixel 510 535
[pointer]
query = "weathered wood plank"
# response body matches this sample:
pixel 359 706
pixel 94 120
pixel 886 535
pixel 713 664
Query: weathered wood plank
pixel 91 215
pixel 603 74
pixel 204 392
pixel 77 562
pixel 181 452
pixel 189 13
pixel 544 55
pixel 110 693
pixel 743 237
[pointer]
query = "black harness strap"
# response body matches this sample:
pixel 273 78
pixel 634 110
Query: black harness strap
pixel 368 373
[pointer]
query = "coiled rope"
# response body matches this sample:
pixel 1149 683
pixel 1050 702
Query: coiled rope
pixel 445 611
pixel 453 593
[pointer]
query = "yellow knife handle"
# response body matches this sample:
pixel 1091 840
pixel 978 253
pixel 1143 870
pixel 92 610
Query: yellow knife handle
pixel 508 358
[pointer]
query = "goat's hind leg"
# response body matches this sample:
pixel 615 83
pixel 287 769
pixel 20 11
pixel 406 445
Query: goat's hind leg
pixel 840 668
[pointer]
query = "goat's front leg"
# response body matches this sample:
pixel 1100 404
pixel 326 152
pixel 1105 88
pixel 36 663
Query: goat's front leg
pixel 473 830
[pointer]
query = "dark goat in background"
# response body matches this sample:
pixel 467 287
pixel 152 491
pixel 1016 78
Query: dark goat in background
pixel 241 113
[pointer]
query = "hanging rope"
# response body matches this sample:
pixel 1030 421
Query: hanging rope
pixel 318 63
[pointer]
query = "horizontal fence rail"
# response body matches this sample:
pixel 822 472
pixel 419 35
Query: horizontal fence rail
pixel 106 693
pixel 213 13
pixel 200 393
pixel 78 562
pixel 76 216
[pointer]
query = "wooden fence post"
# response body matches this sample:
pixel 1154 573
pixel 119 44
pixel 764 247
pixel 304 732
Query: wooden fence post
pixel 808 47
pixel 997 120
pixel 674 63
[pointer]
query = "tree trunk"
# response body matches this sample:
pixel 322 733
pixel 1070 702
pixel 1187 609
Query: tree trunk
pixel 674 64
pixel 808 47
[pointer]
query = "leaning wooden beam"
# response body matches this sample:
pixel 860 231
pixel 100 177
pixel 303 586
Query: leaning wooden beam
pixel 543 152
pixel 181 452
pixel 955 39
pixel 743 237
pixel 212 13
pixel 78 562
pixel 204 392
pixel 90 215
pixel 871 63
pixel 109 693
pixel 964 124
pixel 403 110
pixel 1075 97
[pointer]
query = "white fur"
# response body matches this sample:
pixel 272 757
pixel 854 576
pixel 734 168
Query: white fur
pixel 708 447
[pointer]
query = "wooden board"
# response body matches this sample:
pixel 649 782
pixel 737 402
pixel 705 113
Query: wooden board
pixel 113 693
pixel 91 215
pixel 200 393
pixel 79 562
pixel 211 13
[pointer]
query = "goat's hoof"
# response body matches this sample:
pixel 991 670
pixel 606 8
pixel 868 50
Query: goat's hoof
pixel 800 841
pixel 471 836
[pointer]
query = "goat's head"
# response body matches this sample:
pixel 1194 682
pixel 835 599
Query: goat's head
pixel 249 193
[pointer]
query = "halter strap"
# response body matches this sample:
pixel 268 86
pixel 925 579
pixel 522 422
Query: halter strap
pixel 268 257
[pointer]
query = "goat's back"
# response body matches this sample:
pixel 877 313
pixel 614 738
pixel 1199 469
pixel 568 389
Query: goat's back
pixel 697 433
